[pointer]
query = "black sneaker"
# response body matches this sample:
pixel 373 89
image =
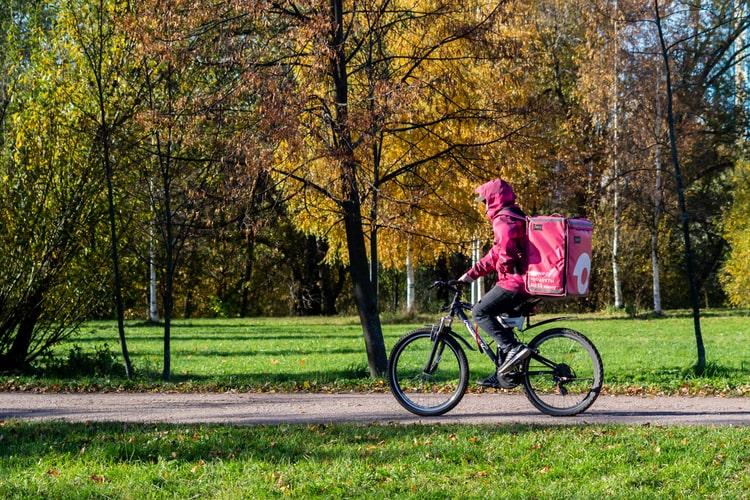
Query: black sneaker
pixel 514 356
pixel 490 381
pixel 503 382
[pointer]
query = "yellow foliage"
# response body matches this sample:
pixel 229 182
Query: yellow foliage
pixel 435 108
pixel 736 270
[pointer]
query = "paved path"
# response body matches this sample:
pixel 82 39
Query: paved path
pixel 298 408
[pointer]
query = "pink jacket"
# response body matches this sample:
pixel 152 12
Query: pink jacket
pixel 509 227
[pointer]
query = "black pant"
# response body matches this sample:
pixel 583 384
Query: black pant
pixel 496 302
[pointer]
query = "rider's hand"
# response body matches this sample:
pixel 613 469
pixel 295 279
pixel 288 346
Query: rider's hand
pixel 465 279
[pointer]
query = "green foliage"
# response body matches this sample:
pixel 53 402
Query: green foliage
pixel 83 364
pixel 49 215
pixel 226 141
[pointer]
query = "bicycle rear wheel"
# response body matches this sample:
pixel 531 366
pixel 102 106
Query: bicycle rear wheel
pixel 428 377
pixel 564 374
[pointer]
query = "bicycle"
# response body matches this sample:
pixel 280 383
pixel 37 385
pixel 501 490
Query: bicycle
pixel 428 371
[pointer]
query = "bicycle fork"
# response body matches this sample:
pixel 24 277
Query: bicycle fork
pixel 436 353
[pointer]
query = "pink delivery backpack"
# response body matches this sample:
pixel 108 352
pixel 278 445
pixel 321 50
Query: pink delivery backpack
pixel 558 255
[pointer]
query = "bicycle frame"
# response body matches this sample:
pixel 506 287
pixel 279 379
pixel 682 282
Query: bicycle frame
pixel 456 309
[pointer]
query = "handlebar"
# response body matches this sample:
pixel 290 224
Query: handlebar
pixel 452 285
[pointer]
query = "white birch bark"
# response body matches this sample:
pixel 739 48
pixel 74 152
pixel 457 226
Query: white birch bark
pixel 409 282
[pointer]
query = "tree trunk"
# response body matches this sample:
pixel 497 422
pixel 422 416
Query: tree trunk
pixel 655 264
pixel 115 256
pixel 104 136
pixel 165 166
pixel 657 210
pixel 374 279
pixel 364 292
pixel 681 198
pixel 409 282
pixel 248 273
pixel 16 359
pixel 169 248
pixel 168 291
pixel 365 295
pixel 153 313
pixel 616 278
pixel 477 286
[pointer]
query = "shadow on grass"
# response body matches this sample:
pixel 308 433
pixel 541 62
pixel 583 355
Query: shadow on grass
pixel 714 375
pixel 648 315
pixel 715 370
pixel 109 442
pixel 351 377
pixel 312 337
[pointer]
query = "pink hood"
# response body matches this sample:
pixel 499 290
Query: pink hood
pixel 498 194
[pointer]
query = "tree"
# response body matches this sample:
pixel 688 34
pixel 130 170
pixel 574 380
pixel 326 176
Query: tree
pixel 394 134
pixel 680 188
pixel 365 289
pixel 693 44
pixel 206 122
pixel 107 56
pixel 50 210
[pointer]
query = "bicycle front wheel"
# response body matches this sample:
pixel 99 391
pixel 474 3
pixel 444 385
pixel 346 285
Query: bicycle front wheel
pixel 564 374
pixel 428 376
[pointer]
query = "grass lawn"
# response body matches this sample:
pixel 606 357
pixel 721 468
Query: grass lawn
pixel 58 460
pixel 327 354
pixel 93 460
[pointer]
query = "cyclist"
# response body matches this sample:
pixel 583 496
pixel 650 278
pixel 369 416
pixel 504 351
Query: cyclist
pixel 506 257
